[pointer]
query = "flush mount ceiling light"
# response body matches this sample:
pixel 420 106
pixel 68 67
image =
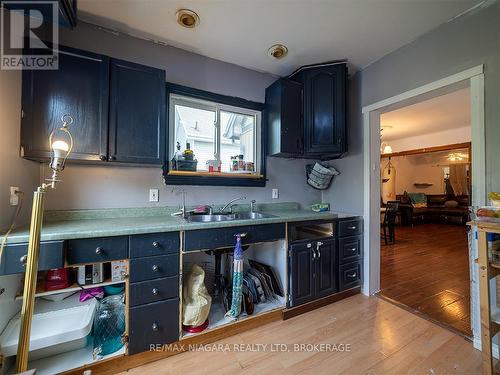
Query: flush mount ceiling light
pixel 187 18
pixel 277 51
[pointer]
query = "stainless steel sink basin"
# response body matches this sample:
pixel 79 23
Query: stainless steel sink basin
pixel 227 217
pixel 251 215
pixel 211 218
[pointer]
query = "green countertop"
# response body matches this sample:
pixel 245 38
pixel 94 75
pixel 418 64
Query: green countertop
pixel 64 225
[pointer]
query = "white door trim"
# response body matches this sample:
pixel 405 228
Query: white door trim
pixel 371 170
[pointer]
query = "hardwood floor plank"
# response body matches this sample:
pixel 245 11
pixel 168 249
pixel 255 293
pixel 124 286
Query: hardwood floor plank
pixel 427 269
pixel 383 339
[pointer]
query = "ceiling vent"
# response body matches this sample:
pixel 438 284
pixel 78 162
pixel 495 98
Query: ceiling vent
pixel 278 51
pixel 187 18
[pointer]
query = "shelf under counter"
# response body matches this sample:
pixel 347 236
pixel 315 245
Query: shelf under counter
pixel 217 319
pixel 73 288
pixel 71 361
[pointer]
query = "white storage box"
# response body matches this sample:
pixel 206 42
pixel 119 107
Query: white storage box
pixel 57 327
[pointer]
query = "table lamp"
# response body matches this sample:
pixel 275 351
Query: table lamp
pixel 61 144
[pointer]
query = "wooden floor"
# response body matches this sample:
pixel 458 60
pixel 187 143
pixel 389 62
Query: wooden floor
pixel 428 270
pixel 384 339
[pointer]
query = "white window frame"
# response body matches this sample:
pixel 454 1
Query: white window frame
pixel 188 101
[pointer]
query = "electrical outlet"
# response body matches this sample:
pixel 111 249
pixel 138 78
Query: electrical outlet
pixel 154 195
pixel 14 198
pixel 276 194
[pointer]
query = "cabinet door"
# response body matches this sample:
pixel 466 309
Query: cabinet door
pixel 80 88
pixel 153 324
pixel 324 110
pixel 284 118
pixel 137 114
pixel 302 273
pixel 326 261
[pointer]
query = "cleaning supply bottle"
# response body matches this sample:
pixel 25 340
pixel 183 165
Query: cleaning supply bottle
pixel 188 154
pixel 177 156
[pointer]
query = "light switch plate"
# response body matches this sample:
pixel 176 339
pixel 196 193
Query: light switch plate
pixel 154 195
pixel 276 194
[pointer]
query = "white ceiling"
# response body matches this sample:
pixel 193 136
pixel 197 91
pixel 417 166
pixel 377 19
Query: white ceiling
pixel 241 31
pixel 445 112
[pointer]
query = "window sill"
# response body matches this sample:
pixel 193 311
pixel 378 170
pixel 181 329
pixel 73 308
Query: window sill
pixel 213 178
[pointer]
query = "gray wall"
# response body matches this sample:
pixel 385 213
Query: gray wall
pixel 100 187
pixel 453 47
pixel 14 171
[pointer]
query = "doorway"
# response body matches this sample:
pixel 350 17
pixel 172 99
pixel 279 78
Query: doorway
pixel 371 126
pixel 425 199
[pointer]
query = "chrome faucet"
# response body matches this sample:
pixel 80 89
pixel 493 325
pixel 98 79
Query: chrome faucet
pixel 252 205
pixel 230 202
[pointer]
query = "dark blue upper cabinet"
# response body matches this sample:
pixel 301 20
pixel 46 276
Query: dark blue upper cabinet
pixel 137 114
pixel 80 88
pixel 306 113
pixel 284 118
pixel 325 111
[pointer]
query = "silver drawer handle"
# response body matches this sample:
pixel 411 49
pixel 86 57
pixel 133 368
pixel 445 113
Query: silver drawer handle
pixel 353 249
pixel 354 274
pixel 155 291
pixel 155 268
pixel 98 250
pixel 352 227
pixel 156 244
pixel 155 327
pixel 23 259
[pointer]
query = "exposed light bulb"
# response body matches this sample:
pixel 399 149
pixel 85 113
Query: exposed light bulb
pixel 60 150
pixel 387 149
pixel 60 145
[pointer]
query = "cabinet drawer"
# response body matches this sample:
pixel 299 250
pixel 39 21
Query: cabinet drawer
pixel 350 249
pixel 13 260
pixel 350 275
pixel 154 290
pixel 350 227
pixel 143 245
pixel 94 250
pixel 154 267
pixel 207 239
pixel 152 324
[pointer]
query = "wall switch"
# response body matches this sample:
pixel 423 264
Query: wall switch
pixel 276 194
pixel 14 198
pixel 154 195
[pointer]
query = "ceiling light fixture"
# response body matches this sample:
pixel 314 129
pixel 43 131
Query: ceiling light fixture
pixel 187 18
pixel 277 51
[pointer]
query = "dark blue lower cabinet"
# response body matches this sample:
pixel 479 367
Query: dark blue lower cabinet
pixel 14 257
pixel 148 268
pixel 153 325
pixel 153 290
pixel 216 238
pixel 95 250
pixel 350 275
pixel 325 269
pixel 301 273
pixel 313 271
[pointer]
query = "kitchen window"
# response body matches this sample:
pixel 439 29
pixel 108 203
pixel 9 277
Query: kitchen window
pixel 222 139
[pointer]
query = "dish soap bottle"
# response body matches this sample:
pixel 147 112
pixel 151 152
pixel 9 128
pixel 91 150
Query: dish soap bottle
pixel 188 154
pixel 177 156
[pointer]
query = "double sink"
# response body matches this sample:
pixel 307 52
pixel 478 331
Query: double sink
pixel 228 217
